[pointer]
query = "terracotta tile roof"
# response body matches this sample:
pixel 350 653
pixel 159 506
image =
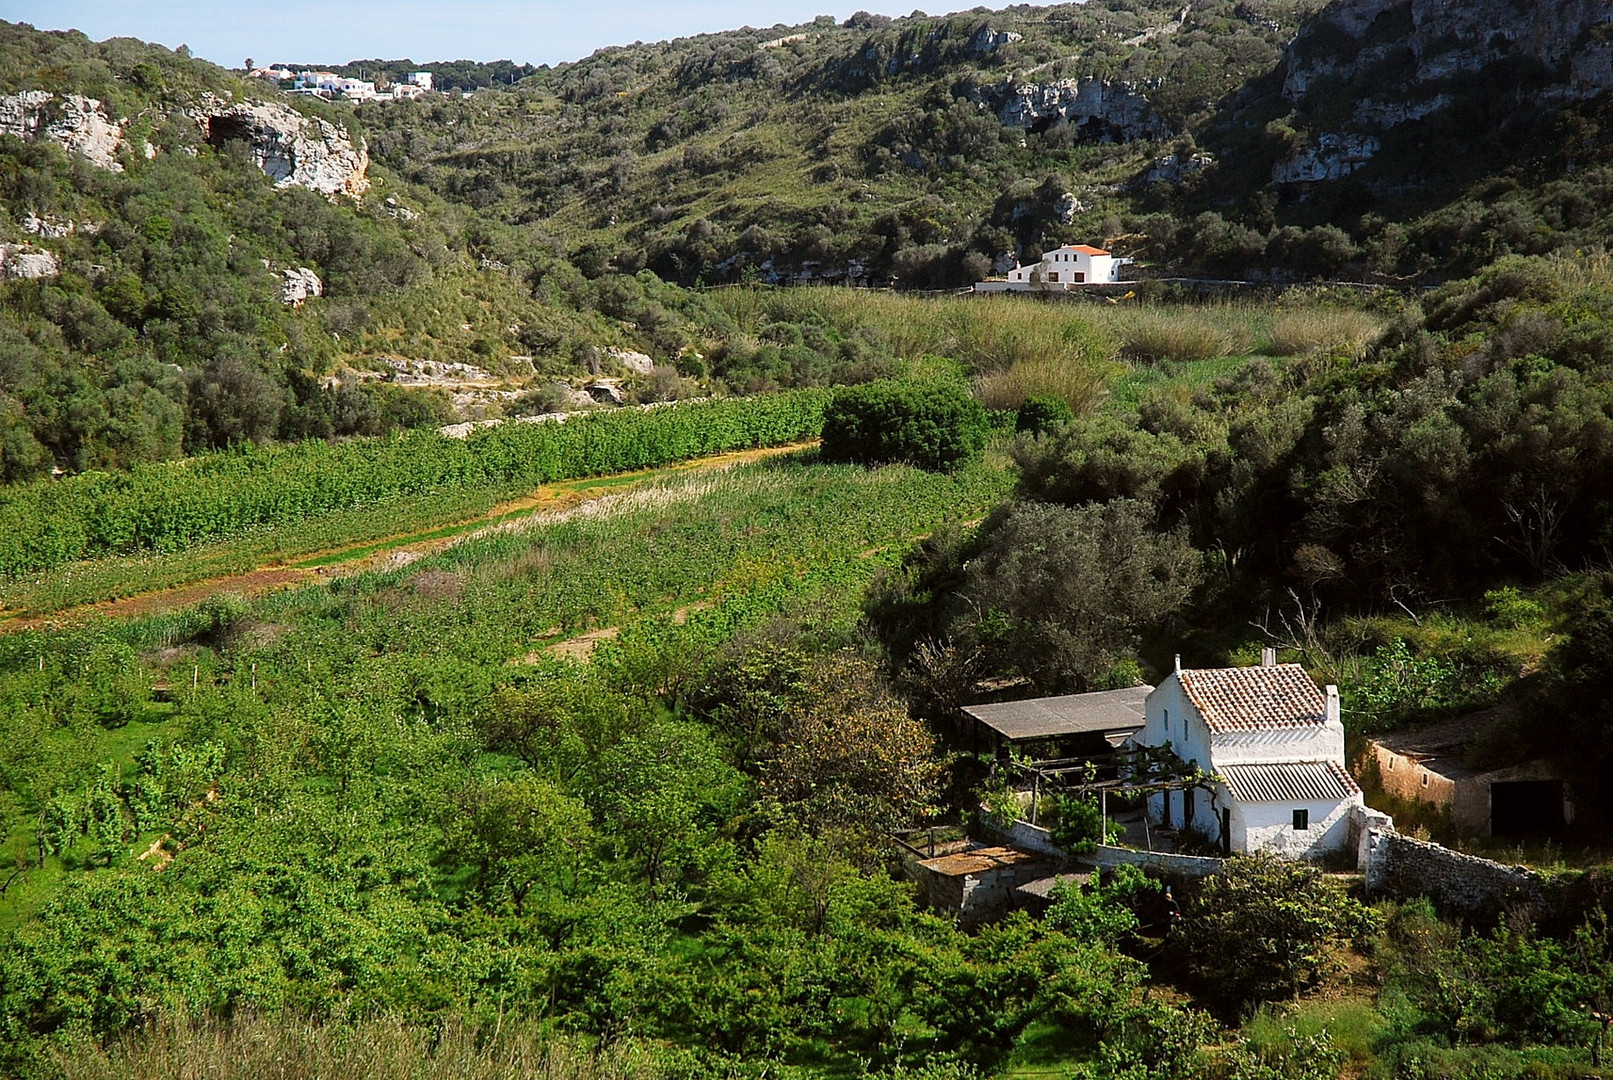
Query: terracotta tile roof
pixel 1087 249
pixel 1254 698
pixel 1294 781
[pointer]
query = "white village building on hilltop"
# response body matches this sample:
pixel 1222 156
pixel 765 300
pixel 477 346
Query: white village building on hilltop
pixel 1277 744
pixel 1060 270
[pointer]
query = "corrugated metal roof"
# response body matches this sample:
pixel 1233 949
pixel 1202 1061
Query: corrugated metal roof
pixel 1042 888
pixel 1253 698
pixel 1295 781
pixel 1105 712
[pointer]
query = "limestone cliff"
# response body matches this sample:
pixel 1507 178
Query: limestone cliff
pixel 1362 68
pixel 1407 51
pixel 1100 110
pixel 78 123
pixel 291 149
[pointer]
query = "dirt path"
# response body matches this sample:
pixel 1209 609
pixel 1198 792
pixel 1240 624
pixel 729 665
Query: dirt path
pixel 391 553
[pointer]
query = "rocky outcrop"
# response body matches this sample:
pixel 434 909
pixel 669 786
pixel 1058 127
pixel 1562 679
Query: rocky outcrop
pixel 77 123
pixel 1174 168
pixel 291 149
pixel 1332 158
pixel 987 40
pixel 19 261
pixel 52 228
pixel 298 285
pixel 636 362
pixel 1100 111
pixel 1409 49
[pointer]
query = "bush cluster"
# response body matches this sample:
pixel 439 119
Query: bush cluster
pixel 934 425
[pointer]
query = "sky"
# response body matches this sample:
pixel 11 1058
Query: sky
pixel 227 32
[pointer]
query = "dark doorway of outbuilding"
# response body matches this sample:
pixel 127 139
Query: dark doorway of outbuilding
pixel 1521 808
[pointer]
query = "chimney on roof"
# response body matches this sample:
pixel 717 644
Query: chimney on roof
pixel 1268 657
pixel 1178 661
pixel 1332 704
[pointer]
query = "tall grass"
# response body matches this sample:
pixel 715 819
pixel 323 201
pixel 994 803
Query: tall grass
pixel 1081 387
pixel 1014 345
pixel 252 1047
pixel 1324 330
pixel 1353 1026
pixel 1184 335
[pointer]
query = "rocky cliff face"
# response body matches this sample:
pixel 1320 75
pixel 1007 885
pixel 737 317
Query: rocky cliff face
pixel 1412 47
pixel 1400 61
pixel 1100 111
pixel 22 261
pixel 289 147
pixel 78 123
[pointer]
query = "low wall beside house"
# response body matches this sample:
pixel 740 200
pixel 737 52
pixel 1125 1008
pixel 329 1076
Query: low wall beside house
pixel 1458 884
pixel 1025 836
pixel 1107 858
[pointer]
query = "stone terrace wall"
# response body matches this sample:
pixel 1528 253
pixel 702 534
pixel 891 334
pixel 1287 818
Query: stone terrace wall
pixel 1458 884
pixel 1182 865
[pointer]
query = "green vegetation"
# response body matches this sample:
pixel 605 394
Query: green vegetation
pixel 173 507
pixel 606 791
pixel 932 425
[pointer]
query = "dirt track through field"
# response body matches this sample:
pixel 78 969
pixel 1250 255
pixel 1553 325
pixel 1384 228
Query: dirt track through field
pixel 390 553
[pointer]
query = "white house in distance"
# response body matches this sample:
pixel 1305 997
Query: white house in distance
pixel 1276 742
pixel 1060 270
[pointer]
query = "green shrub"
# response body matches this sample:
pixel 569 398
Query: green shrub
pixel 1509 609
pixel 1079 829
pixel 1265 928
pixel 1042 413
pixel 935 426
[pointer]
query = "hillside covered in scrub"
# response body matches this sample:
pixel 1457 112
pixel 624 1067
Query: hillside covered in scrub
pixel 491 254
pixel 1357 139
pixel 191 261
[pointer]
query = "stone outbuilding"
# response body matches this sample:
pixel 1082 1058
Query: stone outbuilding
pixel 981 884
pixel 1428 764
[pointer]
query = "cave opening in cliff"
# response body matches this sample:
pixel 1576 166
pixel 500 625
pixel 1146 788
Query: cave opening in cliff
pixel 222 129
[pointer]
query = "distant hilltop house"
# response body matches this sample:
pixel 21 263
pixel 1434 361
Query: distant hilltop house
pixel 1276 744
pixel 1063 269
pixel 330 86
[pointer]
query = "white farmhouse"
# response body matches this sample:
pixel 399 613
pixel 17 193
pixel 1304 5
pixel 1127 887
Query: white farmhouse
pixel 1060 270
pixel 1276 742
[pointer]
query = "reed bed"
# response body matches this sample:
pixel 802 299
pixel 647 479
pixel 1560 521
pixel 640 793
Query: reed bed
pixel 254 1047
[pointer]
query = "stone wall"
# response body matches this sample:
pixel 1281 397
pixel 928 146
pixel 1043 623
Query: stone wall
pixel 1183 865
pixel 1024 836
pixel 988 896
pixel 1458 884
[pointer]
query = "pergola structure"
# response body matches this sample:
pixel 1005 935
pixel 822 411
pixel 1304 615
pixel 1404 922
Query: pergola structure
pixel 1089 734
pixel 1101 720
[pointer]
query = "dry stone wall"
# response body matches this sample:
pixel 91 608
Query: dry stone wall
pixel 1107 858
pixel 1458 884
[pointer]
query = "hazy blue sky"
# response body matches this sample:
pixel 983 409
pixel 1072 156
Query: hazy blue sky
pixel 334 31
